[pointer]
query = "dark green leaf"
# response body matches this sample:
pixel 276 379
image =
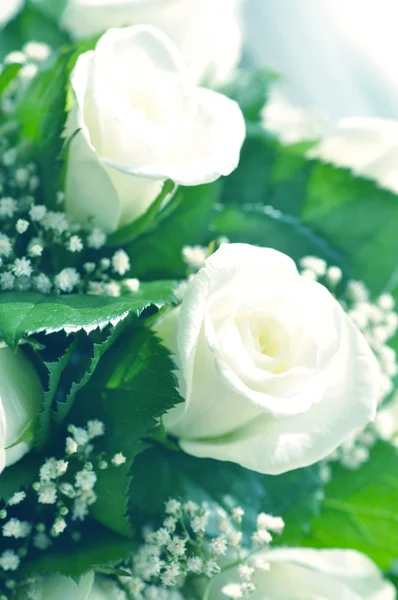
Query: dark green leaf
pixel 26 313
pixel 98 547
pixel 133 385
pixel 18 477
pixel 162 474
pixel 358 219
pixel 359 509
pixel 157 253
pixel 148 220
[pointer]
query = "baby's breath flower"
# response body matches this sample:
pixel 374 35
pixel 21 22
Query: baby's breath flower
pixel 71 446
pixel 37 212
pixel 75 244
pixel 219 546
pixel 55 221
pixel 17 498
pixel 132 285
pixel 22 226
pixel 95 428
pixel 5 245
pixel 96 239
pixel 112 289
pixel 172 506
pixel 22 267
pixel 120 262
pixel 16 528
pixel 67 279
pixel 9 561
pixel 42 283
pixel 8 207
pixel 119 459
pixel 7 281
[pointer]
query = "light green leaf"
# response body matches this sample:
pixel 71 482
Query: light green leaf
pixel 25 313
pixel 8 75
pixel 359 509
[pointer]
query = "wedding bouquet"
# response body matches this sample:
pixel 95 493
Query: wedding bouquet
pixel 197 324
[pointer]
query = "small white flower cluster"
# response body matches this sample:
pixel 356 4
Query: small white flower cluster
pixel 378 322
pixel 35 240
pixel 196 543
pixel 61 496
pixel 31 57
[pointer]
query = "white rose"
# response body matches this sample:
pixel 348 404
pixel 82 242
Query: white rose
pixel 8 10
pixel 138 120
pixel 207 32
pixel 21 395
pixel 367 146
pixel 274 373
pixel 307 574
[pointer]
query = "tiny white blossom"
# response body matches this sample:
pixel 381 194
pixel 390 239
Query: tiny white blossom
pixel 42 283
pixel 67 279
pixel 21 226
pixel 262 537
pixel 16 56
pixel 71 446
pixel 35 250
pixel 47 494
pixel 315 264
pixel 170 574
pixel 132 285
pixel 16 528
pixel 48 470
pixel 21 177
pixel 176 546
pixel 211 568
pixel 119 459
pixel 22 267
pixel 37 51
pixel 170 523
pixel 5 245
pixel 85 480
pixel 191 508
pixel 17 498
pixel 7 281
pixel 235 538
pixel 120 262
pixel 95 428
pixel 9 157
pixel 112 289
pixel 89 267
pixel 275 524
pixel 334 275
pixel 219 546
pixel 246 572
pixel 62 467
pixel 96 239
pixel 172 506
pixel 96 288
pixel 162 536
pixel 37 212
pixel 56 221
pixel 9 561
pixel 233 591
pixel 199 523
pixel 75 244
pixel 194 256
pixel 58 527
pixel 195 565
pixel 238 514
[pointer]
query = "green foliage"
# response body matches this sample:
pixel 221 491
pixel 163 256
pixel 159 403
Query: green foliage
pixel 133 386
pixel 355 217
pixel 8 75
pixel 25 313
pixel 157 252
pixel 30 24
pixel 162 474
pixel 19 476
pixel 359 509
pixel 250 90
pixel 98 547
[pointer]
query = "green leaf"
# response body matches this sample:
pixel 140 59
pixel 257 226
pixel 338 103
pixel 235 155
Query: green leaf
pixel 54 370
pixel 149 219
pixel 25 313
pixel 18 477
pixel 250 90
pixel 8 75
pixel 162 474
pixel 63 407
pixel 265 226
pixel 42 114
pixel 133 385
pixel 355 217
pixel 157 253
pixel 359 509
pixel 98 547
